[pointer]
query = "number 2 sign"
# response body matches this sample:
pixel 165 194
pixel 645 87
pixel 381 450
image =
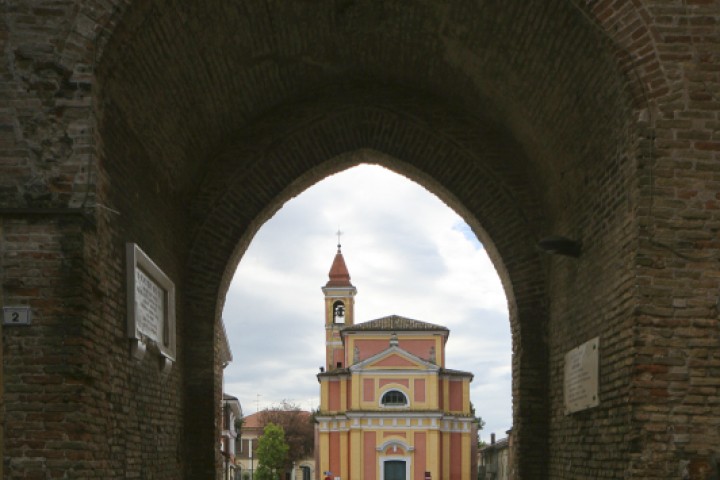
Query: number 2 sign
pixel 16 315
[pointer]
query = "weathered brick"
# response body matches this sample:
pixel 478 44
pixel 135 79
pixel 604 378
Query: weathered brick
pixel 596 120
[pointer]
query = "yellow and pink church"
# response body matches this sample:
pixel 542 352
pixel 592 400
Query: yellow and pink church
pixel 389 409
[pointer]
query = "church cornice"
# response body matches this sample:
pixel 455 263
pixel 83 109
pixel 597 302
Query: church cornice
pixel 372 420
pixel 337 373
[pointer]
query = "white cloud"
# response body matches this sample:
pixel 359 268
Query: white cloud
pixel 407 253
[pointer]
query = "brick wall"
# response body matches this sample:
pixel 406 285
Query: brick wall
pixel 183 125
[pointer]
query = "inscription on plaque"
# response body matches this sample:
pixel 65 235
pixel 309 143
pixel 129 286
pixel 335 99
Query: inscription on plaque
pixel 581 377
pixel 150 306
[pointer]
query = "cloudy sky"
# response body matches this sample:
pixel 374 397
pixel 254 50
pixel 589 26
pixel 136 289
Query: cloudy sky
pixel 407 253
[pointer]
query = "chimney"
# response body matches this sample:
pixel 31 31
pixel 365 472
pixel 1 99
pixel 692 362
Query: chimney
pixel 492 439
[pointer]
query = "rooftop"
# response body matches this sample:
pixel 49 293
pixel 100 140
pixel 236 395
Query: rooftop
pixel 394 323
pixel 339 275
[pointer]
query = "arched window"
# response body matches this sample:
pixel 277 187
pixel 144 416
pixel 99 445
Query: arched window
pixel 394 398
pixel 338 312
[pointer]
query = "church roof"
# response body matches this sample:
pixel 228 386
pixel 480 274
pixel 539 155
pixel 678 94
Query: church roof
pixel 394 323
pixel 339 275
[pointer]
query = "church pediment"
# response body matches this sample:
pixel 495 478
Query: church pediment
pixel 394 358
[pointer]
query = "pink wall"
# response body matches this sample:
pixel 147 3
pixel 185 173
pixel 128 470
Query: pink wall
pixel 441 456
pixel 420 348
pixel 335 453
pixel 456 455
pixel 420 455
pixel 456 395
pixel 368 348
pixel 394 361
pixel 334 395
pixel 338 356
pixel 370 456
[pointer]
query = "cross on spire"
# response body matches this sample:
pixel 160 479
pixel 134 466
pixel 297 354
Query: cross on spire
pixel 339 234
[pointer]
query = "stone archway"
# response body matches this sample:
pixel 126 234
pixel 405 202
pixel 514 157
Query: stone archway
pixel 182 125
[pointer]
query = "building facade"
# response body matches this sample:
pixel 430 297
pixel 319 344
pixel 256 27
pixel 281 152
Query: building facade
pixel 495 459
pixel 231 418
pixel 389 409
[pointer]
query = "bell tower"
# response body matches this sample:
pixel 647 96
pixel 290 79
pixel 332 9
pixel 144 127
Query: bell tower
pixel 339 310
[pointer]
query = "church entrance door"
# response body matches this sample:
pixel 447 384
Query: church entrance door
pixel 394 470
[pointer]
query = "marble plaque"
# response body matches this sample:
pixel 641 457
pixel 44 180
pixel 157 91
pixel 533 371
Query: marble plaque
pixel 581 377
pixel 150 304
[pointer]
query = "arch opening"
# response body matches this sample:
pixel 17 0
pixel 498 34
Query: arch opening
pixel 380 266
pixel 398 233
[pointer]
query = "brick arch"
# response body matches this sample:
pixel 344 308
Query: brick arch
pixel 471 174
pixel 479 71
pixel 279 120
pixel 118 109
pixel 628 26
pixel 109 36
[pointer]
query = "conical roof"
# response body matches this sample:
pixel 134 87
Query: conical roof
pixel 339 275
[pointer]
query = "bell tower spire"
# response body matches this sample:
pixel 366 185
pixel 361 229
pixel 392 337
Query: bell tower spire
pixel 339 309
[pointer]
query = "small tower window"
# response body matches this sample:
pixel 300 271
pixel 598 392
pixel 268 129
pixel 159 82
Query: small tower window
pixel 394 398
pixel 338 312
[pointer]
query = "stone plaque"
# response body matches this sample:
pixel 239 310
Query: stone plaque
pixel 150 303
pixel 581 377
pixel 149 306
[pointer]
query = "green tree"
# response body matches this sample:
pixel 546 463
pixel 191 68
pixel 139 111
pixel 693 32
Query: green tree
pixel 299 428
pixel 480 423
pixel 272 451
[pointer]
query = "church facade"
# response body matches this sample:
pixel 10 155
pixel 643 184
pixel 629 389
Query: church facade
pixel 389 409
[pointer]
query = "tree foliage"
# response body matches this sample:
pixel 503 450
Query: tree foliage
pixel 299 428
pixel 479 425
pixel 272 452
